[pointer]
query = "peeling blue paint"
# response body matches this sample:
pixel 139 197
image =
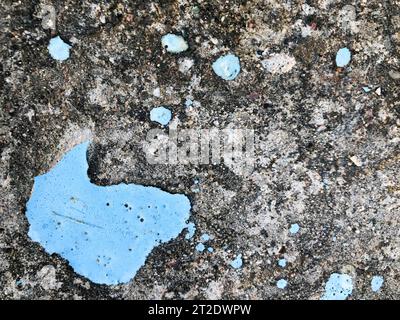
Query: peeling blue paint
pixel 237 262
pixel 210 249
pixel 58 49
pixel 338 287
pixel 227 67
pixel 161 115
pixel 174 43
pixel 105 233
pixel 376 283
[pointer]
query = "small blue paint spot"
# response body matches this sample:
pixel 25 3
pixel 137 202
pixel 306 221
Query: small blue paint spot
pixel 19 282
pixel 58 49
pixel 366 89
pixel 282 263
pixel 338 287
pixel 105 232
pixel 376 283
pixel 191 230
pixel 210 249
pixel 161 115
pixel 227 67
pixel 294 228
pixel 173 43
pixel 205 237
pixel 237 262
pixel 343 57
pixel 200 247
pixel 281 284
pixel 188 103
pixel 196 186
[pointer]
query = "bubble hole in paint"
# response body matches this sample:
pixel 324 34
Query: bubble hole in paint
pixel 338 287
pixel 105 232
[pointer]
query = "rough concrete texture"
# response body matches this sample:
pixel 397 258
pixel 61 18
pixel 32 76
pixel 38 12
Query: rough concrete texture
pixel 328 152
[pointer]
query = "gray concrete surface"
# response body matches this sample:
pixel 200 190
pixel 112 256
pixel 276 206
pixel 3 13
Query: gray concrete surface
pixel 328 151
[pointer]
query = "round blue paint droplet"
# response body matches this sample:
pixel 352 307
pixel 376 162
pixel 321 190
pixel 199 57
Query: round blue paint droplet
pixel 200 247
pixel 376 283
pixel 161 115
pixel 343 57
pixel 174 43
pixel 294 228
pixel 281 284
pixel 282 263
pixel 58 49
pixel 227 67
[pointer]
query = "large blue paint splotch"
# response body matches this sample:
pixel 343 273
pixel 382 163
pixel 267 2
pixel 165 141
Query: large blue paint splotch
pixel 107 232
pixel 338 287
